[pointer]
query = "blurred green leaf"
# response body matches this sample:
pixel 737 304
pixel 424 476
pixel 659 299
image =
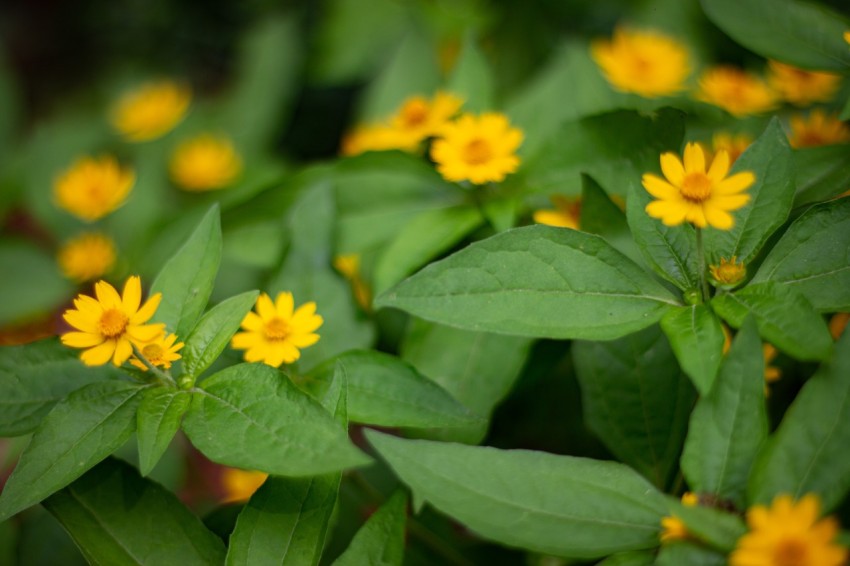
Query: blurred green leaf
pixel 683 552
pixel 258 244
pixel 697 339
pixel 601 215
pixel 157 421
pixel 472 78
pixel 380 541
pixel 821 172
pixel 31 282
pixel 630 558
pixel 719 529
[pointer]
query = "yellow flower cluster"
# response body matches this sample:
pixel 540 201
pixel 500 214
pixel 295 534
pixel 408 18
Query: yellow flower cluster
pixel 150 111
pixel 818 129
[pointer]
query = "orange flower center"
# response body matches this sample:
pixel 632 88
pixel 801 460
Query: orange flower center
pixel 113 323
pixel 277 329
pixel 696 187
pixel 791 552
pixel 477 151
pixel 414 113
pixel 153 352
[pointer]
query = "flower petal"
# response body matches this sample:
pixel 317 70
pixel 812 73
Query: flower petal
pixel 257 354
pixel 672 168
pixel 245 340
pixel 303 340
pixel 719 167
pixel 694 158
pixel 123 351
pixel 99 355
pixel 284 304
pixel 658 187
pixel 252 321
pixel 107 295
pixel 132 296
pixel 81 322
pixel 145 332
pixel 736 183
pixel 719 218
pixel 730 202
pixel 265 307
pixel 145 313
pixel 81 339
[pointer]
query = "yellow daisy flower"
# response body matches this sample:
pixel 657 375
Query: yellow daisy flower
pixel 734 145
pixel 801 87
pixel 375 137
pixel 150 111
pixel 93 187
pixel 647 63
pixel 566 214
pixel 160 352
pixel 204 163
pixel 673 528
pixel 479 149
pixel 817 130
pixel 728 272
pixel 239 485
pixel 736 91
pixel 274 334
pixel 109 325
pixel 420 118
pixel 86 256
pixel 789 533
pixel 692 194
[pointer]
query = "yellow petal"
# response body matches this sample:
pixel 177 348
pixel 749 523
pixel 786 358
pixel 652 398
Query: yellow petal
pixel 123 351
pixel 659 188
pixel 244 340
pixel 81 339
pixel 107 295
pixel 736 183
pixel 672 168
pixel 694 158
pixel 81 322
pixel 718 218
pixel 145 332
pixel 719 167
pixel 132 297
pixel 303 340
pixel 284 304
pixel 257 354
pixel 99 355
pixel 145 313
pixel 730 202
pixel 265 307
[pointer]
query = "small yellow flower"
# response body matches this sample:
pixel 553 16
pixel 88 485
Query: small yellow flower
pixel 479 149
pixel 647 63
pixel 692 194
pixel 349 266
pixel 109 325
pixel 771 373
pixel 151 110
pixel 239 485
pixel 160 352
pixel 838 323
pixel 801 87
pixel 375 137
pixel 566 214
pixel 420 118
pixel 734 145
pixel 205 163
pixel 736 91
pixel 819 129
pixel 274 334
pixel 789 533
pixel 672 528
pixel 93 187
pixel 728 273
pixel 86 256
pixel 847 36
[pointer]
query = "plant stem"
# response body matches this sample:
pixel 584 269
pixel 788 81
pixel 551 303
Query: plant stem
pixel 703 283
pixel 161 375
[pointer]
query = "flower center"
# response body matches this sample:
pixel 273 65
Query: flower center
pixel 113 323
pixel 477 152
pixel 791 553
pixel 696 187
pixel 277 329
pixel 414 113
pixel 153 353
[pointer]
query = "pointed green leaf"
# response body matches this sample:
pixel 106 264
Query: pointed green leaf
pixel 562 505
pixel 536 281
pixel 335 400
pixel 600 215
pixel 472 78
pixel 117 517
pixel 822 172
pixel 784 318
pixel 380 542
pixel 187 279
pixel 696 335
pixel 80 431
pixel 251 416
pixel 157 421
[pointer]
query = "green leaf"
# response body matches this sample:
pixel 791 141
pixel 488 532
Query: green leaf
pixel 385 391
pixel 187 279
pixel 696 335
pixel 335 400
pixel 784 318
pixel 630 558
pixel 380 542
pixel 535 281
pixel 812 258
pixel 804 34
pixel 600 215
pixel 717 528
pixel 636 400
pixel 213 332
pixel 683 552
pixel 117 517
pixel 31 281
pixel 571 507
pixel 80 431
pixel 34 377
pixel 808 451
pixel 822 172
pixel 157 421
pixel 424 238
pixel 771 197
pixel 717 457
pixel 251 416
pixel 472 78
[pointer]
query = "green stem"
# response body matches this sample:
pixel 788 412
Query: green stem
pixel 161 375
pixel 703 282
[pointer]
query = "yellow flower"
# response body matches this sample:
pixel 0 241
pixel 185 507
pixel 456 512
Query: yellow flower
pixel 801 87
pixel 275 333
pixel 566 214
pixel 349 266
pixel 692 194
pixel 672 528
pixel 789 534
pixel 205 163
pixel 838 323
pixel 86 257
pixel 481 149
pixel 418 118
pixel 736 91
pixel 647 63
pixel 160 352
pixel 819 129
pixel 734 145
pixel 771 373
pixel 240 485
pixel 109 325
pixel 728 273
pixel 847 36
pixel 375 137
pixel 151 110
pixel 93 187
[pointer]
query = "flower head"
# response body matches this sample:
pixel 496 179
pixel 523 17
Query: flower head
pixel 205 163
pixel 274 334
pixel 801 87
pixel 240 485
pixel 93 187
pixel 692 194
pixel 673 528
pixel 376 137
pixel 160 352
pixel 647 63
pixel 151 110
pixel 734 145
pixel 419 118
pixel 109 325
pixel 728 273
pixel 481 149
pixel 736 91
pixel 566 214
pixel 789 533
pixel 86 257
pixel 817 130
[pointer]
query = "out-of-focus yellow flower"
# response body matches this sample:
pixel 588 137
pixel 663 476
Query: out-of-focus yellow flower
pixel 160 352
pixel 93 187
pixel 239 485
pixel 838 323
pixel 480 149
pixel 205 163
pixel 847 36
pixel 566 214
pixel 771 373
pixel 151 110
pixel 419 118
pixel 734 145
pixel 86 256
pixel 736 91
pixel 375 137
pixel 644 62
pixel 801 87
pixel 728 273
pixel 349 266
pixel 672 528
pixel 817 130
